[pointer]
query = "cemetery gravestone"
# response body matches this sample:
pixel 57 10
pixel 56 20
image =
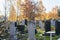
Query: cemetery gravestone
pixel 15 24
pixel 47 25
pixel 41 24
pixel 21 28
pixel 25 21
pixel 57 27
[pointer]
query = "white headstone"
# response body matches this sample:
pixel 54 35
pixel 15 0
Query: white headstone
pixel 52 23
pixel 23 22
pixel 41 24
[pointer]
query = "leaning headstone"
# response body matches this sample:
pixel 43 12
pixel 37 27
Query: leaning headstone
pixel 31 30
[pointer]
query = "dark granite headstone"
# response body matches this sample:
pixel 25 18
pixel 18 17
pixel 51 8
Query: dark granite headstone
pixel 15 24
pixel 25 21
pixel 21 28
pixel 47 25
pixel 57 27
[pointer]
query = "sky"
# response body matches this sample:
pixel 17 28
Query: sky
pixel 48 4
pixel 1 6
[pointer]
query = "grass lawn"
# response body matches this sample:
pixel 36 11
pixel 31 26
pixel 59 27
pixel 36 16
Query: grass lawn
pixel 40 37
pixel 53 38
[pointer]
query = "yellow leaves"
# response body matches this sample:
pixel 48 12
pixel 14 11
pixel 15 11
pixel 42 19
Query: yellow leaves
pixel 27 9
pixel 47 17
pixel 12 16
pixel 26 12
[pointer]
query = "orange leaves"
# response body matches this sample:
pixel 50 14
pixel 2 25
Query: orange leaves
pixel 27 8
pixel 12 16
